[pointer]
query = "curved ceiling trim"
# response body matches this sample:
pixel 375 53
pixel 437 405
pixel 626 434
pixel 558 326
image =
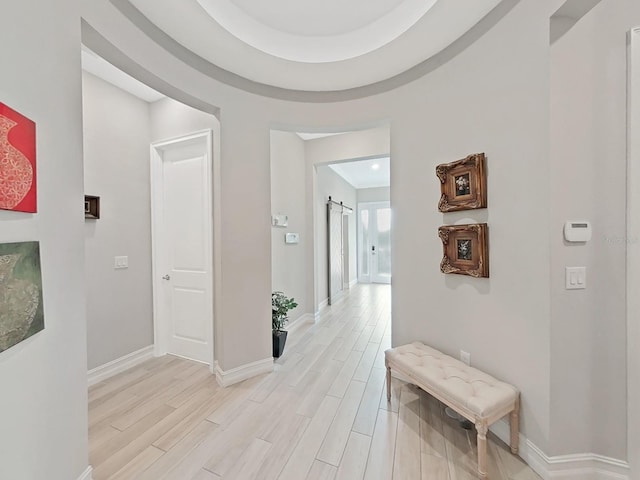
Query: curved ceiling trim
pixel 318 47
pixel 186 22
pixel 97 42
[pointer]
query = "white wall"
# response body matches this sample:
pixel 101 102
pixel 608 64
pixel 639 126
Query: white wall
pixel 494 97
pixel 371 142
pixel 116 168
pixel 44 379
pixel 329 183
pixel 289 196
pixel 377 194
pixel 588 155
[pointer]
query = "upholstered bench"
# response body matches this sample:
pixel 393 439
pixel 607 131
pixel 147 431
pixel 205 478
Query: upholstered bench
pixel 475 395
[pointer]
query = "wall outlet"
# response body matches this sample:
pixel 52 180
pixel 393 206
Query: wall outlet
pixel 465 357
pixel 121 262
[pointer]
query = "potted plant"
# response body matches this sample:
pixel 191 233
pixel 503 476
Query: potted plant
pixel 280 306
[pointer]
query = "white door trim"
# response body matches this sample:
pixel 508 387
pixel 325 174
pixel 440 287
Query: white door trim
pixel 157 226
pixel 360 245
pixel 633 254
pixel 367 206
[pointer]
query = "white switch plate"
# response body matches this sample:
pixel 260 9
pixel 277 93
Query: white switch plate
pixel 121 262
pixel 291 238
pixel 575 278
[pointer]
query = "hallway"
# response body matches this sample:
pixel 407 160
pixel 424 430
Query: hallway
pixel 320 415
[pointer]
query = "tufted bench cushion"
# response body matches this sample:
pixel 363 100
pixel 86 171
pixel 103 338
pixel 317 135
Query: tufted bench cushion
pixel 474 394
pixel 480 393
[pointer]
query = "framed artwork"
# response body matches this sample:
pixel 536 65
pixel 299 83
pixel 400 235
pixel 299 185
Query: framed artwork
pixel 21 310
pixel 463 184
pixel 91 207
pixel 17 161
pixel 465 249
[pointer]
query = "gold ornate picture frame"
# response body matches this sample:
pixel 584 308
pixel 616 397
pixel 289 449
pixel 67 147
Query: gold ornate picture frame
pixel 465 249
pixel 463 184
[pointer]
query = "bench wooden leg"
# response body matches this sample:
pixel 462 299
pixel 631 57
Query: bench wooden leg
pixel 482 429
pixel 514 422
pixel 388 384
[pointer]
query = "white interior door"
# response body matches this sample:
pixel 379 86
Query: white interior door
pixel 334 240
pixel 345 251
pixel 182 238
pixel 374 232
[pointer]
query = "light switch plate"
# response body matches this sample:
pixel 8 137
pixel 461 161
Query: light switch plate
pixel 121 262
pixel 465 357
pixel 291 238
pixel 575 278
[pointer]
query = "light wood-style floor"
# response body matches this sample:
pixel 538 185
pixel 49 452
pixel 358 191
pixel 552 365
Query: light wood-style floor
pixel 320 415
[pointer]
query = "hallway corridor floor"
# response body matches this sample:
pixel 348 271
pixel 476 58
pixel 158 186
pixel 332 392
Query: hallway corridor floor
pixel 322 414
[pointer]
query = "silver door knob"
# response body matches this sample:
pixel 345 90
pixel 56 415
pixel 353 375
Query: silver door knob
pixel 166 277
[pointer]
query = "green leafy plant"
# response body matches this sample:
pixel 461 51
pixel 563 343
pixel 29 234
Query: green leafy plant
pixel 280 306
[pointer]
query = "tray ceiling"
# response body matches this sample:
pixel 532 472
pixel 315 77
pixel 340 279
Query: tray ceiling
pixel 315 46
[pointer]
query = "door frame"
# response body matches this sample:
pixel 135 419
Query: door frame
pixel 366 206
pixel 633 254
pixel 157 227
pixel 346 270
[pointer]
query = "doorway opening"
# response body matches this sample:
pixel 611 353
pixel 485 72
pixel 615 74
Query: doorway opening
pixel 633 255
pixel 307 169
pixel 122 117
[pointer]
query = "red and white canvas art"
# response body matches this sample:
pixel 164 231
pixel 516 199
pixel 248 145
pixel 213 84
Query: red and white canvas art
pixel 17 161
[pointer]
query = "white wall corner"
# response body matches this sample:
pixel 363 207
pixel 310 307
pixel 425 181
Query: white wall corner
pixel 238 374
pixel 118 365
pixel 321 308
pixel 86 475
pixel 584 466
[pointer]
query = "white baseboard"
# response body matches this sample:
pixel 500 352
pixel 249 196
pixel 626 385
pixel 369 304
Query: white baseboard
pixel 118 365
pixel 588 466
pixel 353 282
pixel 86 475
pixel 301 320
pixel 583 466
pixel 322 307
pixel 238 374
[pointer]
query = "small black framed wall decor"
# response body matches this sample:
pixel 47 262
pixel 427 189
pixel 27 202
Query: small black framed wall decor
pixel 91 207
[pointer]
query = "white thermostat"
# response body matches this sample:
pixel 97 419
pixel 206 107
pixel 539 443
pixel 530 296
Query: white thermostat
pixel 577 231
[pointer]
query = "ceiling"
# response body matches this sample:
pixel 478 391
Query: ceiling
pixel 362 174
pixel 315 46
pixel 99 67
pixel 313 136
pixel 575 9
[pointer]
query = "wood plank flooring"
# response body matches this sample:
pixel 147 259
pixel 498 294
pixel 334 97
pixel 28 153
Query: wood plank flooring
pixel 321 415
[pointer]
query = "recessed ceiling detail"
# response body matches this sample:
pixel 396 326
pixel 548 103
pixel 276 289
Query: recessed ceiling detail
pixel 316 32
pixel 312 46
pixel 99 67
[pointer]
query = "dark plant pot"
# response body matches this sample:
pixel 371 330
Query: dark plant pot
pixel 279 339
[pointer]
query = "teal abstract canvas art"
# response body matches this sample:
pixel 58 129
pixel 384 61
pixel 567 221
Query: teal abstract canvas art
pixel 21 309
